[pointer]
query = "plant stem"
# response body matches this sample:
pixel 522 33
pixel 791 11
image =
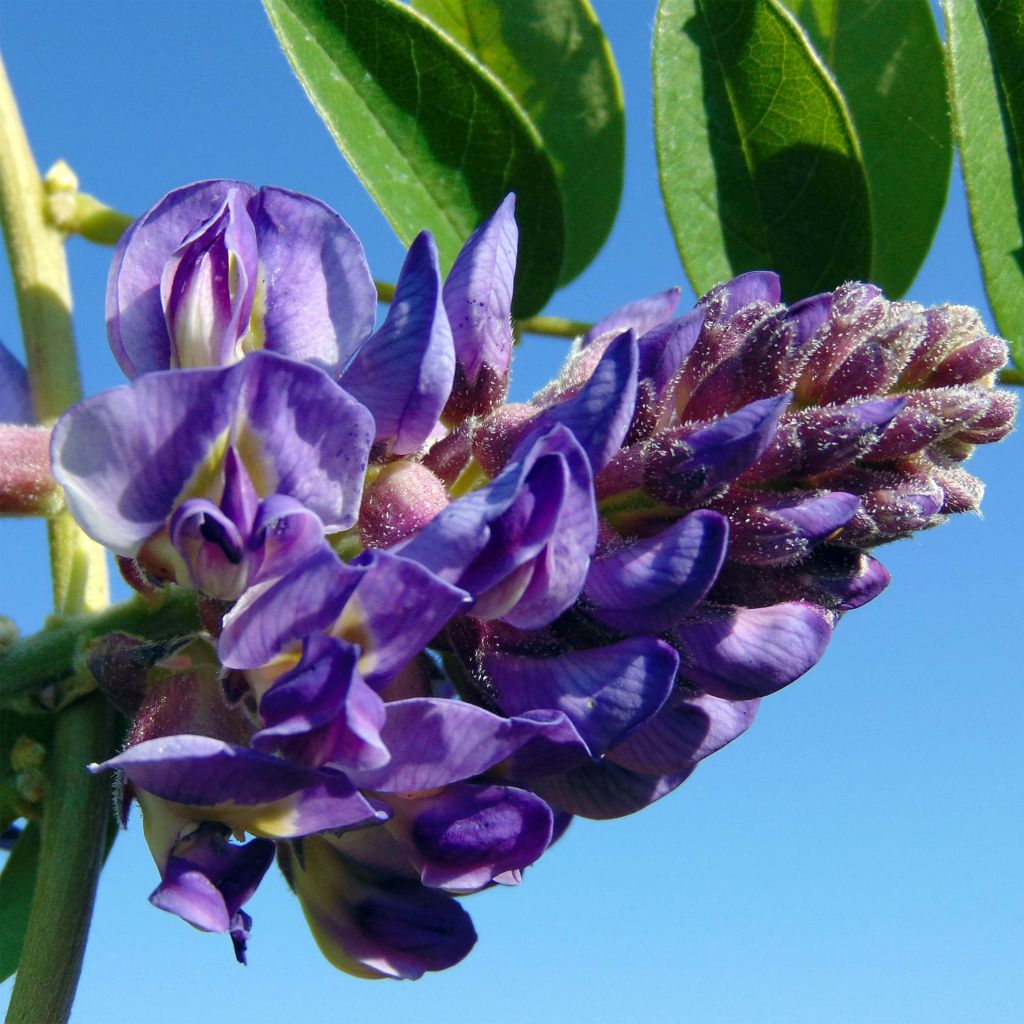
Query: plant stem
pixel 76 810
pixel 39 269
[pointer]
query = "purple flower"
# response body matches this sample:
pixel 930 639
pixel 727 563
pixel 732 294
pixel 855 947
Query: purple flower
pixel 212 476
pixel 442 625
pixel 218 269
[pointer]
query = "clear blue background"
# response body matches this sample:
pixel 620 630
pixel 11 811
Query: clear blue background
pixel 855 857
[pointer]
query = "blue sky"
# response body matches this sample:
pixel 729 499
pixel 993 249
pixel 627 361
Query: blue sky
pixel 854 857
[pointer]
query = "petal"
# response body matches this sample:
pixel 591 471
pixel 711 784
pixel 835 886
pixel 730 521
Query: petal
pixel 396 608
pixel 780 530
pixel 209 882
pixel 606 693
pixel 647 586
pixel 689 472
pixel 663 350
pixel 744 290
pixel 136 326
pixel 403 374
pixel 372 925
pixel 599 414
pixel 743 653
pixel 465 836
pixel 640 316
pixel 435 741
pixel 687 729
pixel 604 790
pixel 126 456
pixel 269 617
pixel 478 296
pixel 322 712
pixel 320 302
pixel 538 510
pixel 214 781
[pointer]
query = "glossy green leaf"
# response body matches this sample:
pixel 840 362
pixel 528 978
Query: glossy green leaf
pixel 437 141
pixel 17 884
pixel 552 55
pixel 888 61
pixel 758 160
pixel 984 47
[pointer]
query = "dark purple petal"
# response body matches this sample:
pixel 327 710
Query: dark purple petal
pixel 211 880
pixel 322 713
pixel 370 924
pixel 647 586
pixel 465 836
pixel 606 693
pixel 478 300
pixel 599 414
pixel 640 316
pixel 536 518
pixel 403 373
pixel 838 579
pixel 555 746
pixel 436 741
pixel 663 350
pixel 604 790
pixel 15 396
pixel 395 610
pixel 816 440
pixel 271 616
pixel 136 326
pixel 744 290
pixel 320 301
pixel 781 529
pixel 242 788
pixel 743 653
pixel 688 472
pixel 688 728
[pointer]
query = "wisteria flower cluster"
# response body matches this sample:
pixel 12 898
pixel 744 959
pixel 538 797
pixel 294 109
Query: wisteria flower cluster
pixel 439 625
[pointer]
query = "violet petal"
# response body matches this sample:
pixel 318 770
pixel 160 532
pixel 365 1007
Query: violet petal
pixel 403 373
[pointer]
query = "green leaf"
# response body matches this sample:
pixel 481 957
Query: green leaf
pixel 554 58
pixel 888 61
pixel 17 884
pixel 436 139
pixel 758 160
pixel 985 56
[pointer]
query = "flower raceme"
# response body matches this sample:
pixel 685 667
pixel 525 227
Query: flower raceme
pixel 438 625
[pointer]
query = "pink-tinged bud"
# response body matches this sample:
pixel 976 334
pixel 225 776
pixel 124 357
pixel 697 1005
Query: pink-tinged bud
pixel 815 440
pixel 962 491
pixel 448 457
pixel 995 422
pixel 895 503
pixel 956 350
pixel 500 433
pixel 403 498
pixel 27 486
pixel 703 381
pixel 184 696
pixel 120 664
pixel 930 416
